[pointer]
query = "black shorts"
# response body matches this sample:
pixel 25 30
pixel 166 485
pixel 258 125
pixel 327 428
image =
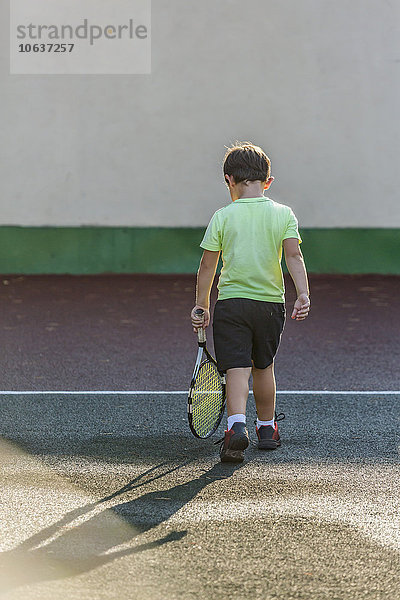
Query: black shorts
pixel 247 332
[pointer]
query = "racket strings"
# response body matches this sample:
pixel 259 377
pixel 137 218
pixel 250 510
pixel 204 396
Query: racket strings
pixel 207 398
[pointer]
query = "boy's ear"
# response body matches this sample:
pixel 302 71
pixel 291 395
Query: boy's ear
pixel 268 182
pixel 229 180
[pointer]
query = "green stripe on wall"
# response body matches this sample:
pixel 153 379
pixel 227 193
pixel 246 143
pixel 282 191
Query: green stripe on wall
pixel 86 250
pixel 352 250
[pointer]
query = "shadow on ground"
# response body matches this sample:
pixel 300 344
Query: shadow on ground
pixel 78 542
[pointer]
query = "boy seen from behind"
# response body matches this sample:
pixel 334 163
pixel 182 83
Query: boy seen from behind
pixel 249 314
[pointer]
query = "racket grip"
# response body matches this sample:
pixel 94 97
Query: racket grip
pixel 201 333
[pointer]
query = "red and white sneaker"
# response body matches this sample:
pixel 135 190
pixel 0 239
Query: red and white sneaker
pixel 268 436
pixel 234 443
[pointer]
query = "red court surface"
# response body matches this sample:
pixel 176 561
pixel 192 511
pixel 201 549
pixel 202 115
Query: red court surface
pixel 132 332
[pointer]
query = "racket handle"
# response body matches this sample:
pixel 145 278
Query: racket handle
pixel 201 333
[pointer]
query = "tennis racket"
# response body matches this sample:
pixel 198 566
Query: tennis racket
pixel 206 400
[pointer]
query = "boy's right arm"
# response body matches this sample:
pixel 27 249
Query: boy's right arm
pixel 205 278
pixel 297 269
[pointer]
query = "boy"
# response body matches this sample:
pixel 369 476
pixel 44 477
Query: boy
pixel 249 314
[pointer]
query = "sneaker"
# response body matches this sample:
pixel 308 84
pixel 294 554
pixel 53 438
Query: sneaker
pixel 234 443
pixel 268 437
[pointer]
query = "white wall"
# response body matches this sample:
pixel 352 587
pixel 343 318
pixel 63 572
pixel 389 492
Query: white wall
pixel 315 82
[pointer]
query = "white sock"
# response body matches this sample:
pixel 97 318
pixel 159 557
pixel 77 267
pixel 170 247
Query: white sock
pixel 236 419
pixel 264 423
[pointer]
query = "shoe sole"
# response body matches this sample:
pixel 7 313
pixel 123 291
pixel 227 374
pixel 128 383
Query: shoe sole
pixel 234 456
pixel 235 453
pixel 268 444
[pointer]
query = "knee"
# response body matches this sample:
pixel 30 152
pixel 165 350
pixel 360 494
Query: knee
pixel 264 370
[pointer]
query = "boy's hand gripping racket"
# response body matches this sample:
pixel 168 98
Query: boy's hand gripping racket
pixel 206 400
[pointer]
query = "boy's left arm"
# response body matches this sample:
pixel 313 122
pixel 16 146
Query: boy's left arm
pixel 205 278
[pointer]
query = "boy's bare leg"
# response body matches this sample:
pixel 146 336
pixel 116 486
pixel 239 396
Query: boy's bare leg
pixel 237 390
pixel 264 390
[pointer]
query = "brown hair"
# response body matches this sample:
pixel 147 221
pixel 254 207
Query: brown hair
pixel 246 162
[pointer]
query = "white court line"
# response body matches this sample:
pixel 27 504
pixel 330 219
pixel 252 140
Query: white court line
pixel 182 392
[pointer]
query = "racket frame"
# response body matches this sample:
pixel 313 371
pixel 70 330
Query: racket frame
pixel 201 353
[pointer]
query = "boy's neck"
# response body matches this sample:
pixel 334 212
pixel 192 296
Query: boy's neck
pixel 253 189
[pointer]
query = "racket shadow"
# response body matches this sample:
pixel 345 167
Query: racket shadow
pixel 85 537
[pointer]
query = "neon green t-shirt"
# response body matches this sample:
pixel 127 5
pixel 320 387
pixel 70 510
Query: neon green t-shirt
pixel 250 232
